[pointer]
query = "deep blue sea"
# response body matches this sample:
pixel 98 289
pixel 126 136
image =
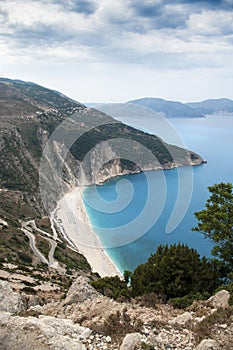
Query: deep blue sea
pixel 131 214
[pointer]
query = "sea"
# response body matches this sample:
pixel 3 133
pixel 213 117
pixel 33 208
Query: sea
pixel 134 214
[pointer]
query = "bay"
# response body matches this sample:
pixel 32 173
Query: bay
pixel 115 208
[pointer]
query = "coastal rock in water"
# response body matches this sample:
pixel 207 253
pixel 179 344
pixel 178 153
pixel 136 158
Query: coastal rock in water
pixel 9 301
pixel 80 291
pixel 41 333
pixel 208 344
pixel 131 341
pixel 220 299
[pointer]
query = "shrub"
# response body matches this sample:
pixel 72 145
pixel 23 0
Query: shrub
pixel 204 329
pixel 112 287
pixel 187 300
pixel 25 257
pixel 118 324
pixel 174 271
pixel 150 300
pixel 29 290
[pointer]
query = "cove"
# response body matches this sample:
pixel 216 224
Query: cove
pixel 212 138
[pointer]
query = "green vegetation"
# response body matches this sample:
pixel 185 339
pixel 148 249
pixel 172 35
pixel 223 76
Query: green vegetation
pixel 71 259
pixel 118 131
pixel 42 244
pixel 44 224
pixel 174 271
pixel 216 223
pixel 112 287
pixel 14 247
pixel 187 300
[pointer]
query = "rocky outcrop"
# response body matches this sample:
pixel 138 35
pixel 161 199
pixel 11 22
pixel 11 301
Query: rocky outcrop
pixel 10 301
pixel 80 291
pixel 183 320
pixel 220 299
pixel 30 333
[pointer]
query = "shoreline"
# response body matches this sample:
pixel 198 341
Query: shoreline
pixel 72 218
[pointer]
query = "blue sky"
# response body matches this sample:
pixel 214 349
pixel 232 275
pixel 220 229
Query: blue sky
pixel 118 50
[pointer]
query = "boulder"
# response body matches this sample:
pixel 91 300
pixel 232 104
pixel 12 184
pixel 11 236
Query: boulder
pixel 80 291
pixel 45 332
pixel 182 320
pixel 131 341
pixel 10 301
pixel 208 344
pixel 220 299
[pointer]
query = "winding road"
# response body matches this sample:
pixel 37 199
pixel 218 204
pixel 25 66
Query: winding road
pixel 53 244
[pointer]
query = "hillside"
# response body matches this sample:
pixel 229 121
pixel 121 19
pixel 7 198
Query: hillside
pixel 25 98
pixel 130 110
pixel 212 106
pixel 171 109
pixel 46 300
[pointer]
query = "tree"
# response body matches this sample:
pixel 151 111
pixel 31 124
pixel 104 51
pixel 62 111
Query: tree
pixel 216 223
pixel 174 271
pixel 112 287
pixel 127 276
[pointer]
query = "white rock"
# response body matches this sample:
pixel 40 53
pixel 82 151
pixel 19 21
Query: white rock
pixel 208 344
pixel 220 299
pixel 85 334
pixel 80 291
pixel 131 341
pixel 146 331
pixel 3 223
pixel 108 339
pixel 10 301
pixel 55 333
pixel 199 319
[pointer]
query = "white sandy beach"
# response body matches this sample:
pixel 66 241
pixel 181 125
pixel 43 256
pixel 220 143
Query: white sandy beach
pixel 73 219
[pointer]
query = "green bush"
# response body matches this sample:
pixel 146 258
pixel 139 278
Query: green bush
pixel 25 257
pixel 174 271
pixel 187 300
pixel 112 287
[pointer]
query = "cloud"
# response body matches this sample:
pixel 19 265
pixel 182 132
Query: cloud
pixel 151 32
pixel 86 7
pixel 218 23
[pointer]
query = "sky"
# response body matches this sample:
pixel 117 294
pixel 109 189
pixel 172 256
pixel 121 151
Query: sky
pixel 119 50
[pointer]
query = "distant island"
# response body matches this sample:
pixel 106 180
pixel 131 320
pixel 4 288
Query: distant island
pixel 168 109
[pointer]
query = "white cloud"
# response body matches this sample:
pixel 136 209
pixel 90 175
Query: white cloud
pixel 211 23
pixel 177 36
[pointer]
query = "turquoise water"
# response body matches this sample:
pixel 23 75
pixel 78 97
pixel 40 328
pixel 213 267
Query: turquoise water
pixel 137 208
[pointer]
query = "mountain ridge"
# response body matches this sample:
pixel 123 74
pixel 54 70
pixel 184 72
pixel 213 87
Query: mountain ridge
pixel 213 106
pixel 172 109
